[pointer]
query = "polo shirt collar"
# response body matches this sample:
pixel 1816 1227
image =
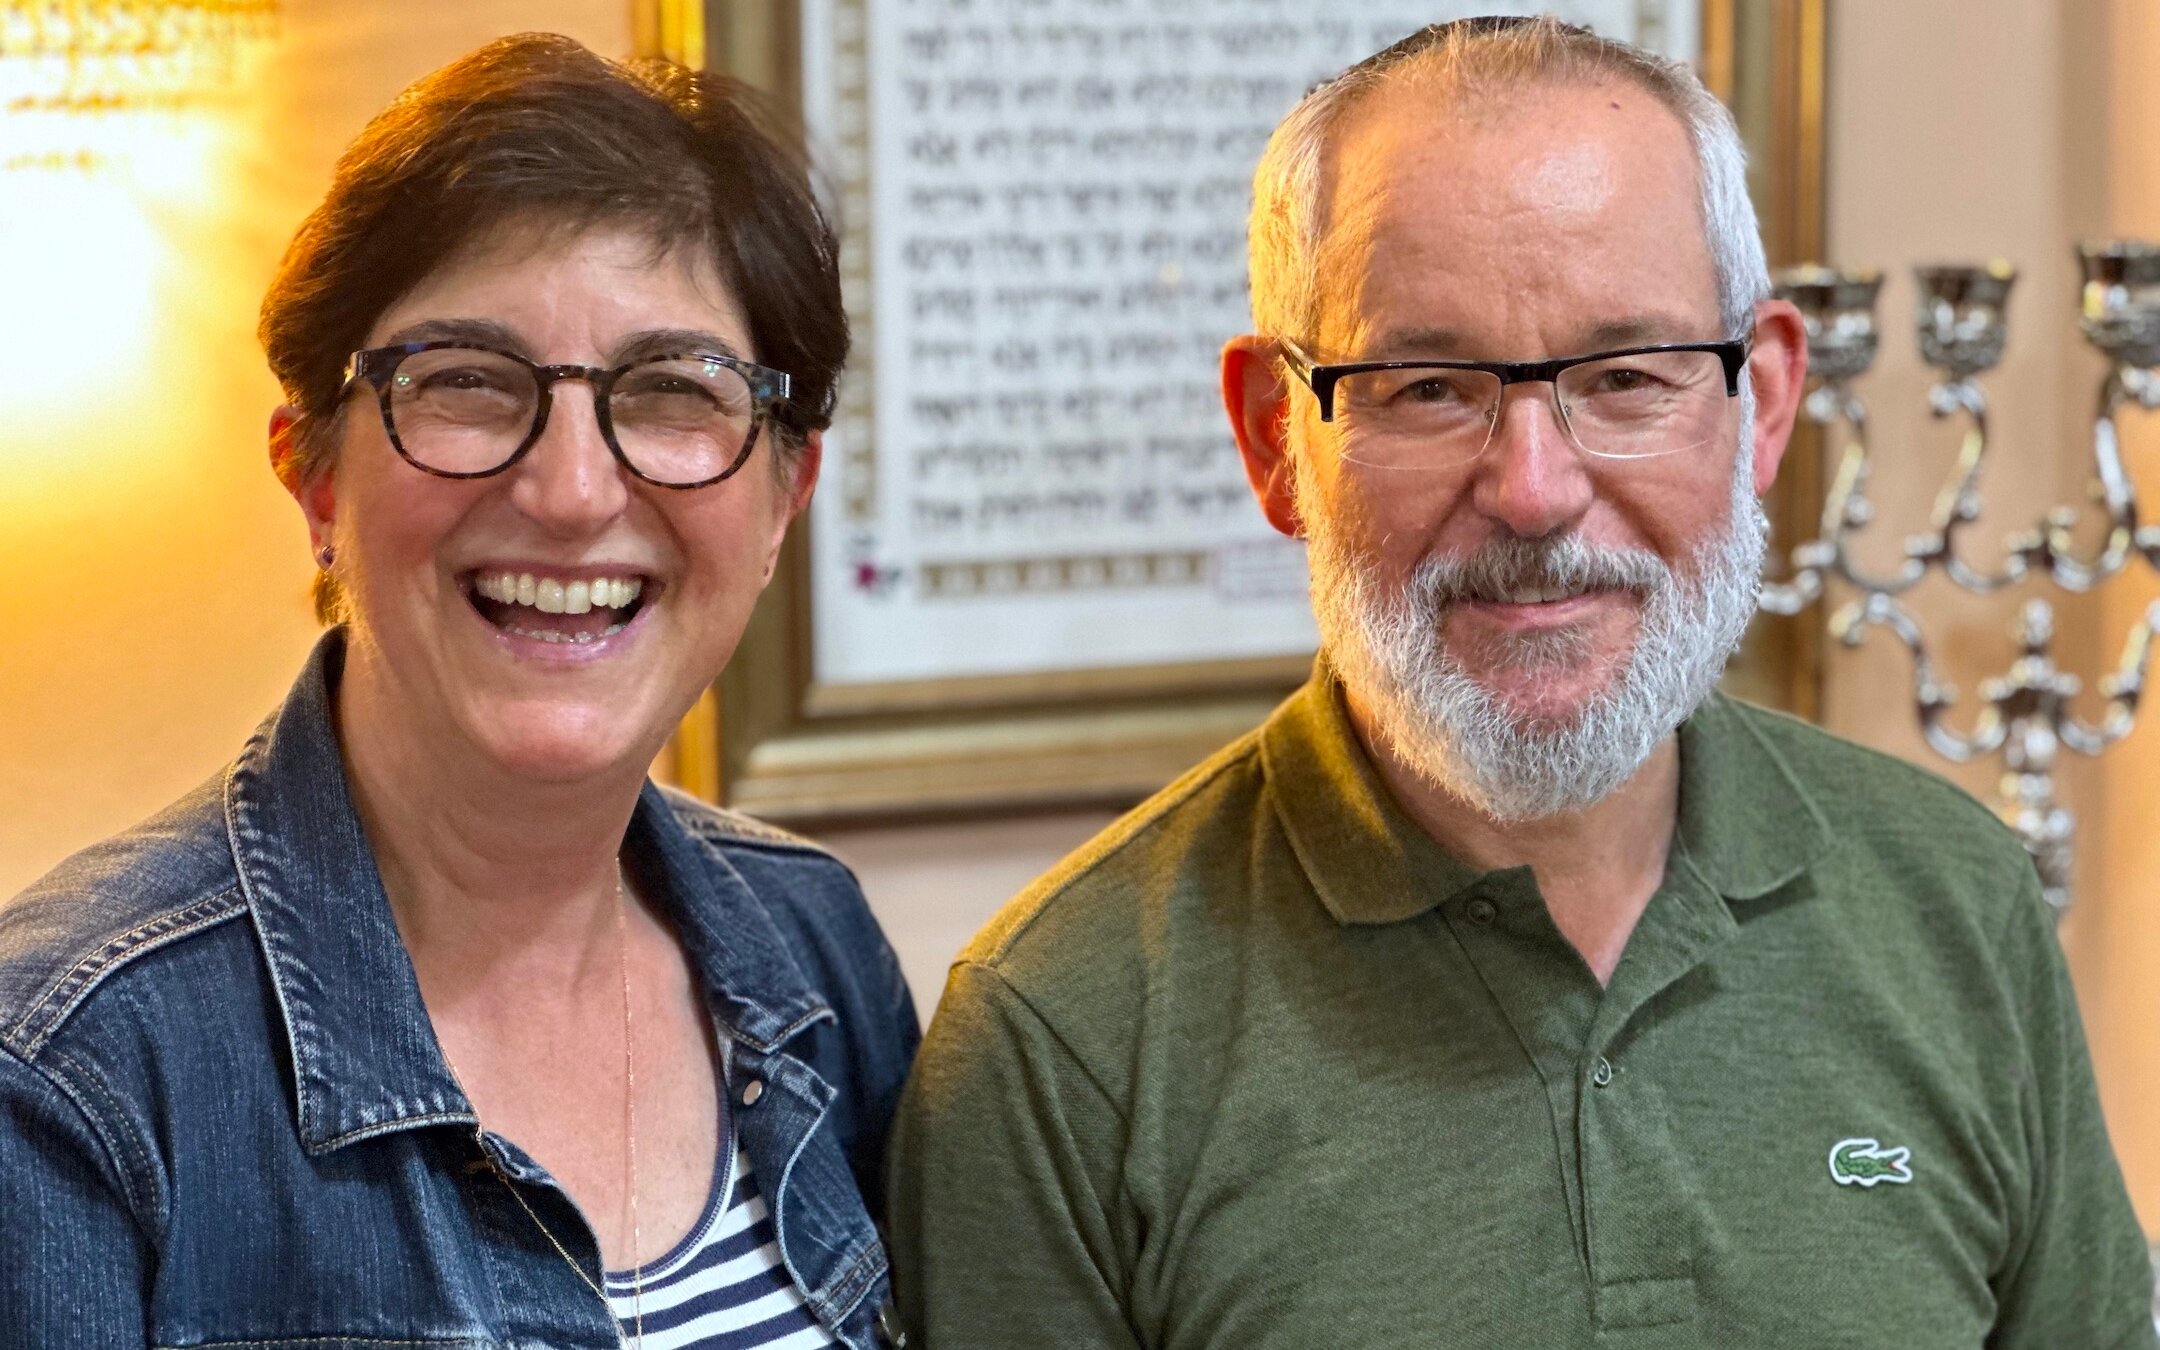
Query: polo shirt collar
pixel 1746 826
pixel 1369 862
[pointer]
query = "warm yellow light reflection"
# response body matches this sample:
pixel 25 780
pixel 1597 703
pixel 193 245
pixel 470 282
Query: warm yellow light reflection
pixel 90 55
pixel 116 120
pixel 79 265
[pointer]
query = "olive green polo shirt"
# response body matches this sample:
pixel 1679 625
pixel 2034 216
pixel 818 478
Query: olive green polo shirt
pixel 1263 1067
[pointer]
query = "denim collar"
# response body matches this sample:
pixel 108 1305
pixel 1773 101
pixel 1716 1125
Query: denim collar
pixel 365 1060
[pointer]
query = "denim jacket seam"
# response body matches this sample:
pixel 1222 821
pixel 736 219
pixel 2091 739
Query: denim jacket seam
pixel 839 1296
pixel 822 1013
pixel 47 1013
pixel 124 1152
pixel 397 1126
pixel 780 844
pixel 848 1290
pixel 718 824
pixel 331 1340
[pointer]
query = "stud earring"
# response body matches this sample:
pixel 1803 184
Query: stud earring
pixel 325 556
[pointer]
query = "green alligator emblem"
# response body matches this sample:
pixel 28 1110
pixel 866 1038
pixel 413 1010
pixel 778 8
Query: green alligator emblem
pixel 1865 1162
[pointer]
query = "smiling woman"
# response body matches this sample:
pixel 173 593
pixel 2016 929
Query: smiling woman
pixel 432 963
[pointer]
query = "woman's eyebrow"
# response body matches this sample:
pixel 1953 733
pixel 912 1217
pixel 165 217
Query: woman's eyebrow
pixel 670 342
pixel 485 332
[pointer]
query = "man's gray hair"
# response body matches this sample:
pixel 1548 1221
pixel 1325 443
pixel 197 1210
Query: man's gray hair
pixel 1480 58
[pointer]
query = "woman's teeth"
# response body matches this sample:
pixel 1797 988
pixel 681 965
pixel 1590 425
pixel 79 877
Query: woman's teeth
pixel 550 596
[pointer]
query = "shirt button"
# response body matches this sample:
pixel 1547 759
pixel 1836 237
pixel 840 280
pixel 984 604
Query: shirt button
pixel 752 1090
pixel 1602 1074
pixel 1481 912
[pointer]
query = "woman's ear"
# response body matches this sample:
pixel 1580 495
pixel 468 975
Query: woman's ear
pixel 803 477
pixel 1258 404
pixel 801 481
pixel 316 493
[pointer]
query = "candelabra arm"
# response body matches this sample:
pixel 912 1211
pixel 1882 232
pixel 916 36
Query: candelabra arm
pixel 2122 691
pixel 1848 508
pixel 2111 490
pixel 1957 505
pixel 1845 507
pixel 1932 698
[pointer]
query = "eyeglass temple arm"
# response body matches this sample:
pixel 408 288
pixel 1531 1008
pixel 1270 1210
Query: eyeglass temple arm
pixel 1316 377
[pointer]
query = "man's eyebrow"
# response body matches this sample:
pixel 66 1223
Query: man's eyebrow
pixel 1447 344
pixel 484 332
pixel 672 342
pixel 1408 344
pixel 1643 331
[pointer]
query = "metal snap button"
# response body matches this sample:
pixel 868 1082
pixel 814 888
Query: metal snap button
pixel 1602 1074
pixel 752 1090
pixel 1481 912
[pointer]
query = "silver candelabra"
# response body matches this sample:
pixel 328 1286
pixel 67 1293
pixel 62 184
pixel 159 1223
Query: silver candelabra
pixel 2025 715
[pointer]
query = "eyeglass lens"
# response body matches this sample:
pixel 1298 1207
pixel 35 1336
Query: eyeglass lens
pixel 467 411
pixel 1623 407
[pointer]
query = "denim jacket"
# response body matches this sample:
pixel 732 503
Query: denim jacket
pixel 225 1119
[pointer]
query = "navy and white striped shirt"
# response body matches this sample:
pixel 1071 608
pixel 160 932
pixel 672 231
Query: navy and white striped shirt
pixel 723 1286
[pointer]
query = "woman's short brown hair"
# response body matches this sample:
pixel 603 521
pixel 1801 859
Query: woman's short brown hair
pixel 537 127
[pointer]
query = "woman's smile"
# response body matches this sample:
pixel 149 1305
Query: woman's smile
pixel 585 608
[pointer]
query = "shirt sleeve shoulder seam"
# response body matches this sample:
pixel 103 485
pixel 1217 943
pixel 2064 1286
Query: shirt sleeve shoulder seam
pixel 95 1126
pixel 44 1015
pixel 1017 997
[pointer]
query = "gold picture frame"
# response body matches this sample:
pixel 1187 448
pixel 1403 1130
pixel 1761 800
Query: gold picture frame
pixel 773 741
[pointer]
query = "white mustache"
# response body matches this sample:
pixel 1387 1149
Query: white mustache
pixel 1508 568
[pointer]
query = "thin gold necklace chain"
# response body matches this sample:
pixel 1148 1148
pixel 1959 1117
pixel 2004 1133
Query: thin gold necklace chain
pixel 637 1272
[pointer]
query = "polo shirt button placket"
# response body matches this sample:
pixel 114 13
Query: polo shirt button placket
pixel 1481 912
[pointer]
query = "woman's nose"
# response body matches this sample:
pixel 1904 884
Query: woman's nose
pixel 570 481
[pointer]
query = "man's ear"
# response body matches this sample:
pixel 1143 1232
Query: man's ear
pixel 1778 370
pixel 1258 404
pixel 317 495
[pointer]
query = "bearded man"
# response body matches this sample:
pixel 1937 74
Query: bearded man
pixel 1510 987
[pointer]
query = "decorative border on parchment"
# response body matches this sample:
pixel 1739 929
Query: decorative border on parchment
pixel 856 415
pixel 1075 572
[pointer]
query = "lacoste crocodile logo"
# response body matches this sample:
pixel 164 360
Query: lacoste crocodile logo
pixel 1866 1163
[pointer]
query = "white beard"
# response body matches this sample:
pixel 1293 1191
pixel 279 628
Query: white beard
pixel 1455 733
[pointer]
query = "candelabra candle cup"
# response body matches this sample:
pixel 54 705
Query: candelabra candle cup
pixel 1961 318
pixel 2120 307
pixel 1838 307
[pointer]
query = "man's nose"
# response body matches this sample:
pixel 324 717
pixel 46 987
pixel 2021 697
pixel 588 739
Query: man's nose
pixel 569 481
pixel 1531 477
